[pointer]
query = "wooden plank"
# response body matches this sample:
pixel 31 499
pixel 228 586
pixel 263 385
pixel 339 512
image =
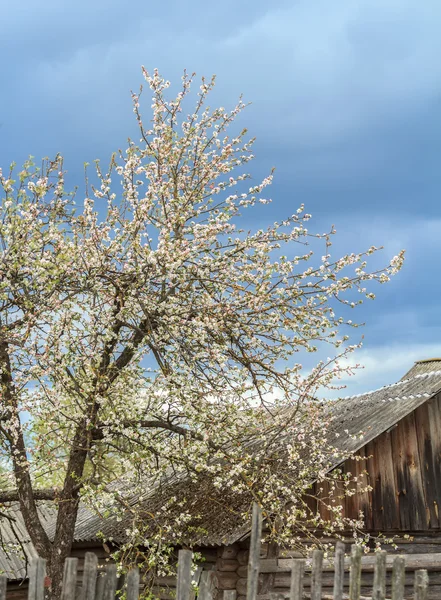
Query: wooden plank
pixel 207 585
pixel 375 480
pixel 425 449
pixel 283 581
pixel 183 589
pixel 359 500
pixel 355 573
pixel 379 587
pixel 296 584
pixel 132 590
pixel 316 575
pixel 324 500
pixel 37 576
pixel 418 517
pixel 110 582
pixel 69 588
pixel 434 414
pixel 89 576
pixel 410 487
pixel 412 561
pixel 3 586
pixel 254 550
pixel 385 496
pixel 421 585
pixel 339 570
pixel 269 565
pixel 398 578
pixel 364 496
pixel 99 589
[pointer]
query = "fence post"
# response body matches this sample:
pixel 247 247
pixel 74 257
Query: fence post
pixel 316 575
pixel 109 582
pixel 37 575
pixel 421 585
pixel 339 570
pixel 3 586
pixel 398 578
pixel 296 586
pixel 254 559
pixel 132 591
pixel 68 590
pixel 183 590
pixel 379 591
pixel 355 573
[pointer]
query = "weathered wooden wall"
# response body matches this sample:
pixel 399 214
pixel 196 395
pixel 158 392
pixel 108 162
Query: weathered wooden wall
pixel 403 468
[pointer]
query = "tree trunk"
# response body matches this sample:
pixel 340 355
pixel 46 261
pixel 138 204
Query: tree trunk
pixel 14 435
pixel 68 509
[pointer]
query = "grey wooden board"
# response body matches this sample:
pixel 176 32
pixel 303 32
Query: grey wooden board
pixel 37 576
pixel 68 591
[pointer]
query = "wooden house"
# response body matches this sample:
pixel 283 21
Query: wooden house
pixel 397 432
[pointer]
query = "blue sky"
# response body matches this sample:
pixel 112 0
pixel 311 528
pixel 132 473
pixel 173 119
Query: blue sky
pixel 346 105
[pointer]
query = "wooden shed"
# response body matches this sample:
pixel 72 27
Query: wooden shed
pixel 397 432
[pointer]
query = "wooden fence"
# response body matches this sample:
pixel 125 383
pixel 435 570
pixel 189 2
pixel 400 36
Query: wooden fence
pixel 104 584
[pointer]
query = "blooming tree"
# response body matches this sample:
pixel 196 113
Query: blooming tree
pixel 147 334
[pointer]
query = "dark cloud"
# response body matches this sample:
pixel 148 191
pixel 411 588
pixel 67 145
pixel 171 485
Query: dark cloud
pixel 346 104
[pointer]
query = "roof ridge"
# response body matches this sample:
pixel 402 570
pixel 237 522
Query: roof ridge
pixel 391 385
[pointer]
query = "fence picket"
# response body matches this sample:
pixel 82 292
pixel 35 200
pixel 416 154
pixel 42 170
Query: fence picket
pixel 105 586
pixel 254 559
pixel 316 575
pixel 109 582
pixel 339 570
pixel 89 576
pixel 37 576
pixel 296 586
pixel 355 573
pixel 132 591
pixel 421 585
pixel 68 590
pixel 207 585
pixel 398 578
pixel 183 590
pixel 379 589
pixel 3 586
pixel 99 588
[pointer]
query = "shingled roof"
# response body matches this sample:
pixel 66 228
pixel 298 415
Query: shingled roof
pixel 356 421
pixel 372 413
pixel 16 547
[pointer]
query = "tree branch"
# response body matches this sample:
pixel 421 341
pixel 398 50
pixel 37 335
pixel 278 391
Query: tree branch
pixel 13 495
pixel 146 424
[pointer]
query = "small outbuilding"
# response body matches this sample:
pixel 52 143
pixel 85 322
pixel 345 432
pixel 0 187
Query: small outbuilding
pixel 396 430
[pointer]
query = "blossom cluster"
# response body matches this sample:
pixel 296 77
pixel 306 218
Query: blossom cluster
pixel 148 334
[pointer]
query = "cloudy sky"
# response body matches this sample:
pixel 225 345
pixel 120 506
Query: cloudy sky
pixel 346 104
